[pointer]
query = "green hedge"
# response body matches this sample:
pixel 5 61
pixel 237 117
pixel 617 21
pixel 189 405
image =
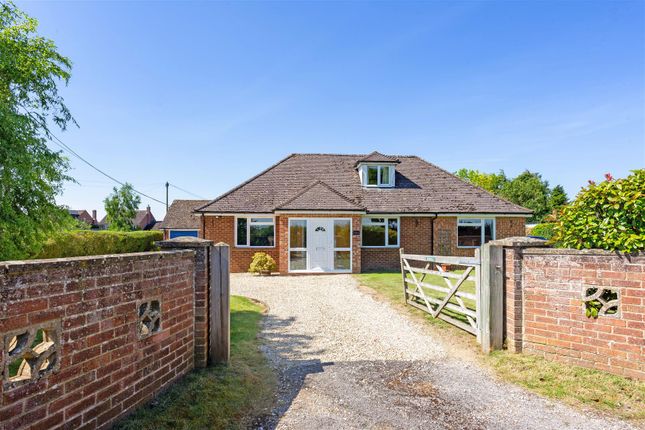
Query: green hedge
pixel 83 242
pixel 545 230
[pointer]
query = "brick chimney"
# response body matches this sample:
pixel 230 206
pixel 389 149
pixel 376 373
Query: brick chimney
pixel 148 209
pixel 96 221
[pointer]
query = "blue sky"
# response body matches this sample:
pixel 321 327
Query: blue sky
pixel 205 95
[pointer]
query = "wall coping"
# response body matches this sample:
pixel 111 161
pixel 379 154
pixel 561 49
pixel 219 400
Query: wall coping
pixel 570 251
pixel 519 241
pixel 184 242
pixel 12 265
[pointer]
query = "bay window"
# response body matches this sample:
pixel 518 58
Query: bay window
pixel 255 232
pixel 474 232
pixel 380 232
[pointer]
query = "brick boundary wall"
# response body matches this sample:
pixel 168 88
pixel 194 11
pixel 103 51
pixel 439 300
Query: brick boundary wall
pixel 104 368
pixel 545 310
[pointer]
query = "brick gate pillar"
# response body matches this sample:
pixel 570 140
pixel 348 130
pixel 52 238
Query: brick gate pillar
pixel 202 248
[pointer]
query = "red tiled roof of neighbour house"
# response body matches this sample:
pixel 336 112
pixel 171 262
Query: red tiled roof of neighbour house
pixel 180 214
pixel 320 196
pixel 420 187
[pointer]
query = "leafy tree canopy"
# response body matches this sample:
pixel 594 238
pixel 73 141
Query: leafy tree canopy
pixel 527 189
pixel 31 174
pixel 609 215
pixel 121 207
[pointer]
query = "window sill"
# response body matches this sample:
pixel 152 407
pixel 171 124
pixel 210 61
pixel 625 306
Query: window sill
pixel 382 247
pixel 254 247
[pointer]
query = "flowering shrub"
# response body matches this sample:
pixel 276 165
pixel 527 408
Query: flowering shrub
pixel 609 215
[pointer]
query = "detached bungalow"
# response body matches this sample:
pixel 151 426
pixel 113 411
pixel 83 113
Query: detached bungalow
pixel 351 213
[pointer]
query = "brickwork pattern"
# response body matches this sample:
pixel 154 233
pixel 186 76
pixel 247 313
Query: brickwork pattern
pixel 445 231
pixel 105 370
pixel 555 324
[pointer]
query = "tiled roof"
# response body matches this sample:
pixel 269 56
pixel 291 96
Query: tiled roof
pixel 180 214
pixel 321 197
pixel 420 187
pixel 377 157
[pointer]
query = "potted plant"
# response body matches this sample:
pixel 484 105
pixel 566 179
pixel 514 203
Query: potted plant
pixel 262 264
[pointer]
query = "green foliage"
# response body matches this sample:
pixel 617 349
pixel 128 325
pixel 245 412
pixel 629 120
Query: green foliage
pixel 529 190
pixel 86 242
pixel 31 174
pixel 262 263
pixel 545 230
pixel 558 197
pixel 609 215
pixel 492 182
pixel 121 208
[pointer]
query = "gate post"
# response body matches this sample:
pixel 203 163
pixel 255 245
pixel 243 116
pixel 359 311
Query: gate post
pixel 220 315
pixel 491 298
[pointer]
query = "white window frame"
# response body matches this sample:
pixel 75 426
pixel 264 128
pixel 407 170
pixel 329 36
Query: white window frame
pixel 334 248
pixel 289 248
pixel 483 229
pixel 379 179
pixel 248 230
pixel 387 228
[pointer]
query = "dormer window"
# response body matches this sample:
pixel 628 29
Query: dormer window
pixel 379 176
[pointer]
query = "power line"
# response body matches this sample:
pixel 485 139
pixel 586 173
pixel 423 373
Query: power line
pixel 64 146
pixel 187 192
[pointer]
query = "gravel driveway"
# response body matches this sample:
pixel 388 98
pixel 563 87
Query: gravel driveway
pixel 347 361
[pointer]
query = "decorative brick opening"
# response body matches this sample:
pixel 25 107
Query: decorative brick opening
pixel 600 301
pixel 149 318
pixel 31 353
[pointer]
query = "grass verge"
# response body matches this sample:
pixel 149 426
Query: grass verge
pixel 577 386
pixel 218 397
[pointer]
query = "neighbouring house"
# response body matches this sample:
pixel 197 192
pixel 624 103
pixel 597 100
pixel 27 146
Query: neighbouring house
pixel 352 213
pixel 181 219
pixel 143 220
pixel 84 216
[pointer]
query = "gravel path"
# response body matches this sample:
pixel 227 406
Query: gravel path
pixel 347 361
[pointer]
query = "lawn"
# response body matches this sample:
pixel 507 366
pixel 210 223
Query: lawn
pixel 219 397
pixel 573 385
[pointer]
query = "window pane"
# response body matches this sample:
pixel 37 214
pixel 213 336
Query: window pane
pixel 393 232
pixel 298 260
pixel 298 233
pixel 373 235
pixel 261 235
pixel 266 220
pixel 342 234
pixel 488 230
pixel 241 232
pixel 375 220
pixel 342 260
pixel 385 175
pixel 470 221
pixel 469 235
pixel 372 175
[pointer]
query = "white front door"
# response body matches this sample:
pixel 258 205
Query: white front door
pixel 319 244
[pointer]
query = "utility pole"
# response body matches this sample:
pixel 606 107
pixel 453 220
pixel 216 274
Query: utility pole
pixel 167 184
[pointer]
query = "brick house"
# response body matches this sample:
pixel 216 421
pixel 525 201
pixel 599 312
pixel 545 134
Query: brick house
pixel 181 219
pixel 351 213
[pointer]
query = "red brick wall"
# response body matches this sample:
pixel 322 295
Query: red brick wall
pixel 552 283
pixel 104 369
pixel 222 229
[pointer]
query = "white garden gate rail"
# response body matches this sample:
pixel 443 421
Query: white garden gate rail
pixel 464 297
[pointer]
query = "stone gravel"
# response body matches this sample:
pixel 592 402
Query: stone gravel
pixel 347 361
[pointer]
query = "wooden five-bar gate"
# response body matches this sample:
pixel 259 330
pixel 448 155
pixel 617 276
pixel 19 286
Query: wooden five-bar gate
pixel 463 291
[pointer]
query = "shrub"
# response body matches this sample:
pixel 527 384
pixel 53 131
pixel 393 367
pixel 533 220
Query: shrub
pixel 609 215
pixel 544 230
pixel 262 263
pixel 83 242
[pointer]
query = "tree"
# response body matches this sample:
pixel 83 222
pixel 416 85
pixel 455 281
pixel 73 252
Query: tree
pixel 492 182
pixel 121 207
pixel 609 215
pixel 528 189
pixel 31 175
pixel 557 197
